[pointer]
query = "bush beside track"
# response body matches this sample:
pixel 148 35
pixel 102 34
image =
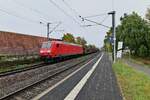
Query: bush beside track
pixel 135 85
pixel 8 63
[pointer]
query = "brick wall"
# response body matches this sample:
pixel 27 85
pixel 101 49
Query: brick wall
pixel 14 43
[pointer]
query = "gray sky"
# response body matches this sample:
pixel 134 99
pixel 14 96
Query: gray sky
pixel 34 11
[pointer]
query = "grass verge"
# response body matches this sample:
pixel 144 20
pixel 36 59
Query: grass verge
pixel 135 85
pixel 14 65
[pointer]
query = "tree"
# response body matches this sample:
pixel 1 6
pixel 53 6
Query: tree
pixel 143 51
pixel 68 37
pixel 134 32
pixel 81 41
pixel 148 14
pixel 78 40
pixel 107 41
pixel 91 48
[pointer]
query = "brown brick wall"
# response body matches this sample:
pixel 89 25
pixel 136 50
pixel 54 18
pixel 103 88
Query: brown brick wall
pixel 14 43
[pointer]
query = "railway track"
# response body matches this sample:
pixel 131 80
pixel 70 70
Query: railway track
pixel 2 74
pixel 53 72
pixel 14 71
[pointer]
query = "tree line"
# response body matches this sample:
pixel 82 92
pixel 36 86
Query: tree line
pixel 134 32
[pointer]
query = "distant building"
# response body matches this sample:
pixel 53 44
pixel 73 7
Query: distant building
pixel 126 51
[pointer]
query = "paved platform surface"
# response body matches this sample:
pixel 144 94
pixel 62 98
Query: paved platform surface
pixel 101 84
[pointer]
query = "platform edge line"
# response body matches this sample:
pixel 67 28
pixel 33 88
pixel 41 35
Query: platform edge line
pixel 74 92
pixel 57 84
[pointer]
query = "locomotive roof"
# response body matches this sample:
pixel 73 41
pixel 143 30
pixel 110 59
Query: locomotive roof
pixel 63 42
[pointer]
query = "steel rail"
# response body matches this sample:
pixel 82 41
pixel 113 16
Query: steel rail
pixel 56 72
pixel 14 71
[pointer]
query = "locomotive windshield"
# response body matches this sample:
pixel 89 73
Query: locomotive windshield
pixel 46 45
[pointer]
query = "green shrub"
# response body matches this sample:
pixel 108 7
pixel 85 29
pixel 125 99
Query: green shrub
pixel 143 51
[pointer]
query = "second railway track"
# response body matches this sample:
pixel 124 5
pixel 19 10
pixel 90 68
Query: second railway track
pixel 26 68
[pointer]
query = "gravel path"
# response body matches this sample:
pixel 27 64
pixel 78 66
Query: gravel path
pixel 137 66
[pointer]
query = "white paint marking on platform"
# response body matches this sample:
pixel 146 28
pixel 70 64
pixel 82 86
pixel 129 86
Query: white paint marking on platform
pixel 74 92
pixel 54 86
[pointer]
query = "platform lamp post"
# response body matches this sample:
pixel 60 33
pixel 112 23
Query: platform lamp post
pixel 114 33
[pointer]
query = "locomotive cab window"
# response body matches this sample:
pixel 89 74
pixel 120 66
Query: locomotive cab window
pixel 46 45
pixel 57 45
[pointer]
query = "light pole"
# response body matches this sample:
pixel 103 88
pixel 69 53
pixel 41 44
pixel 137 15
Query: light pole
pixel 114 32
pixel 48 28
pixel 113 28
pixel 51 30
pixel 48 31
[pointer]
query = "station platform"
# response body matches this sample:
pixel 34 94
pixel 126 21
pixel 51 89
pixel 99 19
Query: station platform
pixel 93 81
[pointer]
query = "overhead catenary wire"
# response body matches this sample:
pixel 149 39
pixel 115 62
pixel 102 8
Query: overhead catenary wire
pixel 89 25
pixel 93 16
pixel 63 11
pixel 98 22
pixel 93 22
pixel 104 19
pixel 41 14
pixel 55 27
pixel 20 17
pixel 73 10
pixel 98 15
pixel 87 16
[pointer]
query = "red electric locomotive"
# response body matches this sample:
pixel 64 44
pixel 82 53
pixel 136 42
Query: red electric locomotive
pixel 57 49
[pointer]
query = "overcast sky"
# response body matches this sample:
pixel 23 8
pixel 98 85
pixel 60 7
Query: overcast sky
pixel 27 15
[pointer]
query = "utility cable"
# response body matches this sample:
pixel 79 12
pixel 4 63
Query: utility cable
pixel 73 10
pixel 94 22
pixel 98 22
pixel 104 19
pixel 43 16
pixel 20 17
pixel 63 11
pixel 92 16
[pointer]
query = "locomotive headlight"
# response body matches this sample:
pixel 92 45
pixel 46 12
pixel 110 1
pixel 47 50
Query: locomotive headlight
pixel 48 51
pixel 41 51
